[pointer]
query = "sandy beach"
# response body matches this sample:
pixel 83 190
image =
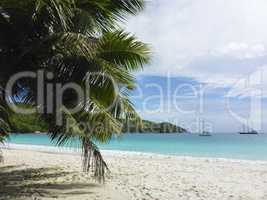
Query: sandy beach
pixel 28 174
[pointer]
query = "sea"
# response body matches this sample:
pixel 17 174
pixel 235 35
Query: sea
pixel 219 145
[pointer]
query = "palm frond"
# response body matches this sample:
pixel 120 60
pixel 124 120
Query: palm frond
pixel 56 12
pixel 92 159
pixel 4 121
pixel 124 50
pixel 104 14
pixel 4 124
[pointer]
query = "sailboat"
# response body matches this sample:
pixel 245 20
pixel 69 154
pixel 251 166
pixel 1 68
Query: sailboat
pixel 203 132
pixel 248 131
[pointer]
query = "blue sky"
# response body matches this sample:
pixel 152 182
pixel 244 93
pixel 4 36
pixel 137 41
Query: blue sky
pixel 184 101
pixel 214 47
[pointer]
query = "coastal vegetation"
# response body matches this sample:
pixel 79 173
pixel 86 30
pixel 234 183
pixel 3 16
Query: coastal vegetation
pixel 27 123
pixel 32 123
pixel 146 126
pixel 71 42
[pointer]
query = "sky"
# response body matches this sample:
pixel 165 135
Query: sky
pixel 209 62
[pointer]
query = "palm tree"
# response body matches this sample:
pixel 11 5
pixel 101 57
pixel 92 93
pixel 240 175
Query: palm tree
pixel 81 42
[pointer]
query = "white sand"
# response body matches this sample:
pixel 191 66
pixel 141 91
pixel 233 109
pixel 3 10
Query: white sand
pixel 36 175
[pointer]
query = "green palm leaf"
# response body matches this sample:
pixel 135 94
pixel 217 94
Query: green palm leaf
pixel 123 50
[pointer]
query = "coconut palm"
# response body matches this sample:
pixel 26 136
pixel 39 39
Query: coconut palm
pixel 81 42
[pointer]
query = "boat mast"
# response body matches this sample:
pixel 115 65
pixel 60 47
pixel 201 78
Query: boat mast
pixel 203 126
pixel 249 128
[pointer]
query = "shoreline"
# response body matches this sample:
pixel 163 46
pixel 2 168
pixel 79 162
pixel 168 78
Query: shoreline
pixel 76 151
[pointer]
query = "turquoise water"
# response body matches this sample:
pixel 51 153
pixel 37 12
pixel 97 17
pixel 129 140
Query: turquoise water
pixel 235 146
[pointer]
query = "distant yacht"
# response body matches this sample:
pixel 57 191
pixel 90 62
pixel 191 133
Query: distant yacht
pixel 248 131
pixel 203 132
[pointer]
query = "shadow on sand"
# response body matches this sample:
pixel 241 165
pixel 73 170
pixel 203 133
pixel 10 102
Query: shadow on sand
pixel 20 183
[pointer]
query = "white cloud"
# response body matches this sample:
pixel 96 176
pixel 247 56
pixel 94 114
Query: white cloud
pixel 213 41
pixel 242 50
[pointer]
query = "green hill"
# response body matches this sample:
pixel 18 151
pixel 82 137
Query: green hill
pixel 21 123
pixel 32 123
pixel 151 127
